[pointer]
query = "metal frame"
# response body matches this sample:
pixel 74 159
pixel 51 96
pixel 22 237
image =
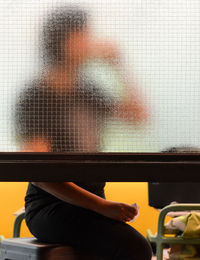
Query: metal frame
pixel 160 239
pixel 151 167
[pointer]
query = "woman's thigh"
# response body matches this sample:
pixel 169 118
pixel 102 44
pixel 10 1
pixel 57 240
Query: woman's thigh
pixel 115 240
pixel 86 229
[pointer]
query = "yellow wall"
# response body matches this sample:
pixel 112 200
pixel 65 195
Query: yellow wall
pixel 12 198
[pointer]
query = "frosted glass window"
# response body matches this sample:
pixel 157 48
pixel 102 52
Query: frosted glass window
pixel 100 76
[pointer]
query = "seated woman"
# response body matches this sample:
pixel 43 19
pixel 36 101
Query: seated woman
pixel 62 112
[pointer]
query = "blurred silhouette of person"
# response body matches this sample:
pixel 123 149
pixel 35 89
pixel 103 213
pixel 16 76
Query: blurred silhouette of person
pixel 63 112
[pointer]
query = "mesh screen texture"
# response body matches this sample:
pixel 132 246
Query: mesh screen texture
pixel 99 76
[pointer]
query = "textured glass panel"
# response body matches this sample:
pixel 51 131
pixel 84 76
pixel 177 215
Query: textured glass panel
pixel 88 76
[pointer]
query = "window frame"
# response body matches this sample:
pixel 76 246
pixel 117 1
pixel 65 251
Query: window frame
pixel 97 167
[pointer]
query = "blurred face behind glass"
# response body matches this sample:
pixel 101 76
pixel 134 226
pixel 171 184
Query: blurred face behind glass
pixel 77 46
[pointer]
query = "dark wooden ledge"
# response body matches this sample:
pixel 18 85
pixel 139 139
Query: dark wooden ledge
pixel 152 167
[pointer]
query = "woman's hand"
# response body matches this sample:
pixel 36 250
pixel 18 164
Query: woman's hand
pixel 118 211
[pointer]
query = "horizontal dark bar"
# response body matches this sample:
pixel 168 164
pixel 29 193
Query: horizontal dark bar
pixel 114 156
pixel 151 167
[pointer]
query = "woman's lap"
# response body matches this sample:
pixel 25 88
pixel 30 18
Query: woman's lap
pixel 87 229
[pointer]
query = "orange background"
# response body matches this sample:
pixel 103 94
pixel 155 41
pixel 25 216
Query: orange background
pixel 12 198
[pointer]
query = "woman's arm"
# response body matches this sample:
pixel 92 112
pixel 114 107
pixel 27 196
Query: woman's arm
pixel 72 193
pixel 133 107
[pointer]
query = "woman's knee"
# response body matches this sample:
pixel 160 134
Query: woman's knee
pixel 145 251
pixel 133 246
pixel 140 251
pixel 134 253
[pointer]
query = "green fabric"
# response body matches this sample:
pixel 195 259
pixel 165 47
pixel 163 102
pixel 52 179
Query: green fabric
pixel 192 226
pixel 191 222
pixel 192 230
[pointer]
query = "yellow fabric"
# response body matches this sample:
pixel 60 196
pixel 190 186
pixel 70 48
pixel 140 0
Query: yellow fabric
pixel 192 226
pixel 192 230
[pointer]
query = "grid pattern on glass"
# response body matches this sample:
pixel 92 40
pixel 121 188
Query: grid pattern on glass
pixel 92 76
